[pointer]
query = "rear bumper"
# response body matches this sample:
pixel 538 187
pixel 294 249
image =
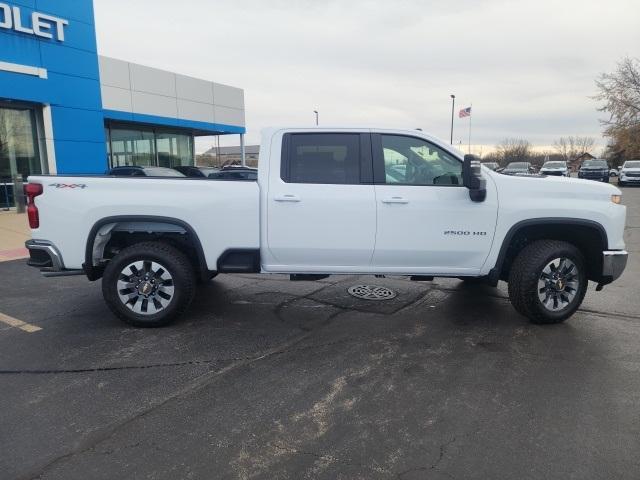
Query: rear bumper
pixel 613 264
pixel 44 255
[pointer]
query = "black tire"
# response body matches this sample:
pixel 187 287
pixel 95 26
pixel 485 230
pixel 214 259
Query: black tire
pixel 526 271
pixel 175 265
pixel 620 184
pixel 201 281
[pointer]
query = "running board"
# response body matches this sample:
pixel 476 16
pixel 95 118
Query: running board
pixel 62 273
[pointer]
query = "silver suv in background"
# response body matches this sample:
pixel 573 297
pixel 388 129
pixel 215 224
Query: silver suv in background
pixel 557 168
pixel 629 173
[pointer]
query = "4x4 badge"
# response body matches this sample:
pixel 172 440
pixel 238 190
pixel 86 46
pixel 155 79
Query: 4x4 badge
pixel 68 185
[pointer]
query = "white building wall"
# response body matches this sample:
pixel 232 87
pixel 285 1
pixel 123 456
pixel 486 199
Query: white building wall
pixel 132 88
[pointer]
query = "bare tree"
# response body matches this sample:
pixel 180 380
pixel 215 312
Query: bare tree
pixel 513 150
pixel 569 148
pixel 620 92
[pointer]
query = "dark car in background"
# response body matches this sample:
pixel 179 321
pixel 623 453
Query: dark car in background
pixel 139 171
pixel 235 173
pixel 596 169
pixel 196 172
pixel 519 168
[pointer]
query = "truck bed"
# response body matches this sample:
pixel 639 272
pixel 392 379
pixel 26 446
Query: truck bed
pixel 224 213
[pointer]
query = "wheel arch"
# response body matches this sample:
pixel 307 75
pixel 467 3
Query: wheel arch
pixel 587 235
pixel 145 225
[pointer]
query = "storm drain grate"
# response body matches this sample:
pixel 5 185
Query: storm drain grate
pixel 371 292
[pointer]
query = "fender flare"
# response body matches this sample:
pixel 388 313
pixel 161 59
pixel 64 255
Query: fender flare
pixel 494 273
pixel 94 272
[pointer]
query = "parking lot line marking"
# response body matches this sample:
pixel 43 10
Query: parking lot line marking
pixel 14 322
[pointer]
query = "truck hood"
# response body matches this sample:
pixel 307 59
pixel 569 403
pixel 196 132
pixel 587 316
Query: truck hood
pixel 559 187
pixel 630 170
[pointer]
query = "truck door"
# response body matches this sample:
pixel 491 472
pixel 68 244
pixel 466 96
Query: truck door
pixel 426 221
pixel 321 211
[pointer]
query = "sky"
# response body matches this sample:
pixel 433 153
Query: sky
pixel 527 67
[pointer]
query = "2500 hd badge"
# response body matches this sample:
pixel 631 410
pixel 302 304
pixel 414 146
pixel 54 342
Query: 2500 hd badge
pixel 464 233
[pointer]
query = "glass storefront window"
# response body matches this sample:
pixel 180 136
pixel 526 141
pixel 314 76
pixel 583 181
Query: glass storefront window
pixel 19 153
pixel 18 143
pixel 132 147
pixel 127 145
pixel 174 149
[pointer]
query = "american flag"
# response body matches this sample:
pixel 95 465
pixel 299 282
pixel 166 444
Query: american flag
pixel 465 112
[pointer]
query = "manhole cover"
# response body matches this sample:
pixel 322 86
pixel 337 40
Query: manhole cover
pixel 371 292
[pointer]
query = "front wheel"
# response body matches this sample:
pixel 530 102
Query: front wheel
pixel 148 284
pixel 548 281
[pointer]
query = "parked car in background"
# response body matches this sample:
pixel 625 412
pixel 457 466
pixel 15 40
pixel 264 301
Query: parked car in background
pixel 139 171
pixel 630 173
pixel 235 173
pixel 519 168
pixel 614 172
pixel 596 169
pixel 196 172
pixel 555 168
pixel 491 165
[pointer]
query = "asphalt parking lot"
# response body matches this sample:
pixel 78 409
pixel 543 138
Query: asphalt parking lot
pixel 266 378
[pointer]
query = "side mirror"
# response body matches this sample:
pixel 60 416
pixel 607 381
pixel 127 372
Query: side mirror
pixel 472 178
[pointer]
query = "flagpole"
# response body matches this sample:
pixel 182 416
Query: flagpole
pixel 470 115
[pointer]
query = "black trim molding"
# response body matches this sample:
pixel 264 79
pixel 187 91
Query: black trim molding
pixel 494 274
pixel 94 272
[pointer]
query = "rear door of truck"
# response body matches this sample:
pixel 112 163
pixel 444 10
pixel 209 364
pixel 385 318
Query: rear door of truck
pixel 320 205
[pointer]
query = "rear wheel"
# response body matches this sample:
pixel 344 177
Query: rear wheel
pixel 548 281
pixel 148 284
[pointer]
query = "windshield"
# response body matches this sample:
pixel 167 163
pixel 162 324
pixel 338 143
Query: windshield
pixel 595 164
pixel 632 164
pixel 554 165
pixel 162 172
pixel 518 165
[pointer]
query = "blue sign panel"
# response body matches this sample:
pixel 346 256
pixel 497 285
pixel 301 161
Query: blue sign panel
pixel 48 55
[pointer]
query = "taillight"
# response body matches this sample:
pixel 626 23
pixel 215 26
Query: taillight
pixel 32 190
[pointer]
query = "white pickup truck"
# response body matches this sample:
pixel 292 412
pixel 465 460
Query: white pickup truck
pixel 331 201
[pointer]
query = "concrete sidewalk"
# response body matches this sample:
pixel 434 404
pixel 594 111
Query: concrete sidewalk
pixel 14 231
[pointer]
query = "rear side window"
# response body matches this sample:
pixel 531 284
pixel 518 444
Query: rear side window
pixel 329 158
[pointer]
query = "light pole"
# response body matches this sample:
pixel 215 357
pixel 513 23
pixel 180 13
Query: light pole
pixel 316 112
pixel 453 106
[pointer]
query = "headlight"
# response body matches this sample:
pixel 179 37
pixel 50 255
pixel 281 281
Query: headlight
pixel 617 199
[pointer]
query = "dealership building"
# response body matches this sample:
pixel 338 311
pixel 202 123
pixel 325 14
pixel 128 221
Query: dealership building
pixel 66 109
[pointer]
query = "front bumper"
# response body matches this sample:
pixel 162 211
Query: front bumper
pixel 613 264
pixel 598 177
pixel 625 178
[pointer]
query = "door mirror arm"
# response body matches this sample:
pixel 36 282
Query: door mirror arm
pixel 473 179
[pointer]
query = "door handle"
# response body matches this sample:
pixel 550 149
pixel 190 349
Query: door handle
pixel 287 198
pixel 401 200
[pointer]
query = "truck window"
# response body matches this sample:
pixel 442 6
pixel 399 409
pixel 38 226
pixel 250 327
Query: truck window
pixel 413 161
pixel 329 158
